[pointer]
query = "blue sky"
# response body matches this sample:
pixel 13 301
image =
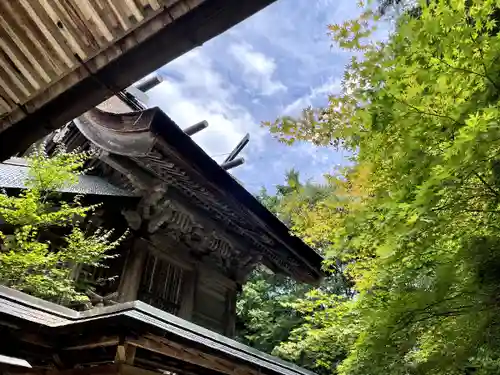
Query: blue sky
pixel 277 62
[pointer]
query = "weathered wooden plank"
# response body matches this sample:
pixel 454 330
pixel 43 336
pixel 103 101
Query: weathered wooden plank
pixel 25 45
pixel 205 22
pixel 50 30
pixel 85 24
pixel 134 10
pixel 105 369
pixel 154 4
pixel 132 272
pixel 135 370
pixel 106 13
pixel 31 36
pixel 126 369
pixel 79 28
pixel 95 343
pixel 161 246
pixel 178 352
pixel 34 339
pixel 188 294
pixel 20 62
pixel 8 92
pixel 4 105
pixel 125 354
pixel 191 355
pixel 91 10
pixel 120 14
pixel 15 85
pixel 59 16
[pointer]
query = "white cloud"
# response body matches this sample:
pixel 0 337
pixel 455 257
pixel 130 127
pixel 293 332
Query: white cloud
pixel 258 69
pixel 202 93
pixel 319 93
pixel 277 62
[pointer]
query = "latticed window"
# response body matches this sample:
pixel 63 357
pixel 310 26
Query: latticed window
pixel 161 284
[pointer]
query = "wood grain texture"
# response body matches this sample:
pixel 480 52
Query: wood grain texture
pixel 42 41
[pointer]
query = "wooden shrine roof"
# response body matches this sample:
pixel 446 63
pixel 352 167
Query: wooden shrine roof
pixel 147 145
pixel 14 173
pixel 147 149
pixel 61 58
pixel 50 336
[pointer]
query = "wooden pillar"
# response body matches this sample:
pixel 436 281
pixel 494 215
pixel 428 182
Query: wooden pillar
pixel 230 318
pixel 188 296
pixel 132 272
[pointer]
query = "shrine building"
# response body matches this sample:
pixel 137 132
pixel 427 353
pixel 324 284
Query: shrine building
pixel 169 303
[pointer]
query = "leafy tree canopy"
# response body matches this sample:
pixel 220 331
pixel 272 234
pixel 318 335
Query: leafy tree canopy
pixel 267 311
pixel 417 217
pixel 30 259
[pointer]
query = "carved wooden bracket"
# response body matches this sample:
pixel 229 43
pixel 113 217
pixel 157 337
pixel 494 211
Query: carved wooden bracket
pixel 100 301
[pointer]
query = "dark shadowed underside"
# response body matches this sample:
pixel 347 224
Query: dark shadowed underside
pixel 132 338
pixel 88 75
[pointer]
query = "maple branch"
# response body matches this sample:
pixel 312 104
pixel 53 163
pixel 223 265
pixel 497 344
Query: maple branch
pixel 418 110
pixel 484 65
pixel 490 188
pixel 466 70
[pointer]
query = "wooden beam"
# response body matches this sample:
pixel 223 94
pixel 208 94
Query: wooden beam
pixel 125 369
pixel 103 341
pixel 132 272
pixel 179 354
pixel 181 202
pixel 125 354
pixel 230 313
pixel 33 339
pixel 169 41
pixel 222 363
pixel 108 369
pixel 161 366
pixel 188 294
pixel 58 361
pixel 163 247
pixel 191 355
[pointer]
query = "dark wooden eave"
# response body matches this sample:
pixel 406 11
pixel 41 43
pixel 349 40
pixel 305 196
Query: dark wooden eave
pixel 14 173
pixel 30 122
pixel 149 142
pixel 194 155
pixel 133 334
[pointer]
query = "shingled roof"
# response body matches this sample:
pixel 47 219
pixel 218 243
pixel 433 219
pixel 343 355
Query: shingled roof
pixel 44 333
pixel 147 144
pixel 14 173
pixel 61 58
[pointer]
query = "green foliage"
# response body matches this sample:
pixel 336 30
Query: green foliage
pixel 417 218
pixel 30 259
pixel 265 314
pixel 269 307
pixel 323 339
pixel 265 317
